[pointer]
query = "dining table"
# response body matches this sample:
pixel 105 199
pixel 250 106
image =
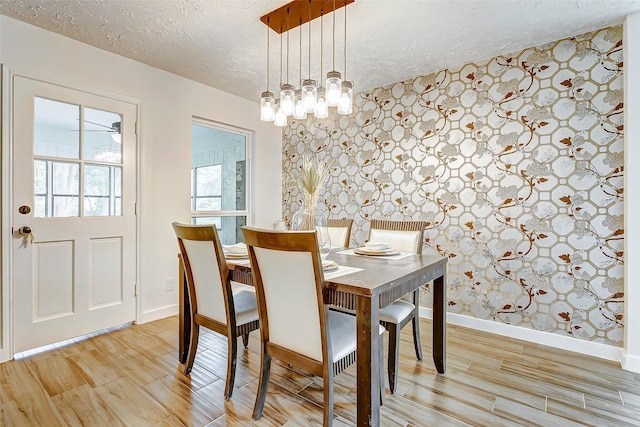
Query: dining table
pixel 367 284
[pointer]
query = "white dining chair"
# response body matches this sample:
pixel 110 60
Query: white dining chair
pixel 297 327
pixel 214 303
pixel 404 236
pixel 340 231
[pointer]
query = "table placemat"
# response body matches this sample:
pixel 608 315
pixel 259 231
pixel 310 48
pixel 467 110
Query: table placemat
pixel 342 270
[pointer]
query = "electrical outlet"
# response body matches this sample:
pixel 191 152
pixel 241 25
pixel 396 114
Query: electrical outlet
pixel 170 284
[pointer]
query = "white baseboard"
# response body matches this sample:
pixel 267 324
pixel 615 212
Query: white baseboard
pixel 631 363
pixel 159 313
pixel 595 349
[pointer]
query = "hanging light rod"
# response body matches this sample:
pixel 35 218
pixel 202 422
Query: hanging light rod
pixel 299 12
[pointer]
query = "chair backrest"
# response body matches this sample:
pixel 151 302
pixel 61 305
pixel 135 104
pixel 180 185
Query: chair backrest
pixel 287 274
pixel 206 270
pixel 340 231
pixel 405 236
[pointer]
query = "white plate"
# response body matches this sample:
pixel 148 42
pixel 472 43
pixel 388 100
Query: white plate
pixel 329 265
pixel 366 251
pixel 236 256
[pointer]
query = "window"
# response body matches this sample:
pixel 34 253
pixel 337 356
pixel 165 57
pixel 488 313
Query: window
pixel 77 168
pixel 219 182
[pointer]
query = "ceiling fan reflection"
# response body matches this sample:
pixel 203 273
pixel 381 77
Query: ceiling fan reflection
pixel 114 129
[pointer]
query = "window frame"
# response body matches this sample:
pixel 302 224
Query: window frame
pixel 248 138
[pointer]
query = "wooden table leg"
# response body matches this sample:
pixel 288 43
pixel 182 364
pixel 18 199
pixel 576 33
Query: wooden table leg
pixel 184 325
pixel 439 322
pixel 368 361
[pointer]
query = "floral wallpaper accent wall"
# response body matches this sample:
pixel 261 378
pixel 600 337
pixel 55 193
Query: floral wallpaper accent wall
pixel 516 164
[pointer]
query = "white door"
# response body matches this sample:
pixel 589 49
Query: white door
pixel 74 187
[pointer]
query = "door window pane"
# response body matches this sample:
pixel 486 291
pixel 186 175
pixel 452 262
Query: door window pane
pixel 96 180
pixel 65 179
pixel 56 129
pixel 56 189
pixel 102 190
pixel 40 177
pixel 64 206
pixel 102 137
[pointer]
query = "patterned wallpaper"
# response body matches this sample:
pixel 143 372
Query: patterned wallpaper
pixel 516 164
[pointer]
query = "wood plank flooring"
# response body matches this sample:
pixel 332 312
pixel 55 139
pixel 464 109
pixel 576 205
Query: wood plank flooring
pixel 129 376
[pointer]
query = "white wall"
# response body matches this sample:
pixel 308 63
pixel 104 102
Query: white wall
pixel 631 45
pixel 167 104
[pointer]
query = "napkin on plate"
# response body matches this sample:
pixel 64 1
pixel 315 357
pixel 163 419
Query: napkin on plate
pixel 237 249
pixel 376 246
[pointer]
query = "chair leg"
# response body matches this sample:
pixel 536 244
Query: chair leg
pixel 231 365
pixel 193 347
pixel 245 340
pixel 328 400
pixel 263 385
pixel 381 356
pixel 415 322
pixel 392 358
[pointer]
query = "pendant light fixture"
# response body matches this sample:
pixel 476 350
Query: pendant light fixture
pixel 279 118
pixel 345 105
pixel 311 96
pixel 321 110
pixel 334 79
pixel 287 94
pixel 300 111
pixel 267 101
pixel 309 87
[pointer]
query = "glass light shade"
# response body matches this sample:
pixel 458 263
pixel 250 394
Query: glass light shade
pixel 309 94
pixel 116 137
pixel 334 88
pixel 321 111
pixel 267 107
pixel 287 99
pixel 345 105
pixel 300 112
pixel 280 118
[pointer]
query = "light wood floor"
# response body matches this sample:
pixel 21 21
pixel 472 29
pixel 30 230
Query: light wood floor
pixel 130 376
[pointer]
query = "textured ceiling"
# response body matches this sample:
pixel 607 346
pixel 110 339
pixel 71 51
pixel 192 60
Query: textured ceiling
pixel 222 43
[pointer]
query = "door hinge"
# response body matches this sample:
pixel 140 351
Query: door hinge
pixel 136 128
pixel 135 289
pixel 135 209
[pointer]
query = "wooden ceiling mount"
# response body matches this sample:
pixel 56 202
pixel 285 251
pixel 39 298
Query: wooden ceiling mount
pixel 298 12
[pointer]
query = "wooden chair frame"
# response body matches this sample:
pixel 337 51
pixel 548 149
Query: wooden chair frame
pixel 298 241
pixel 231 330
pixel 342 223
pixel 395 328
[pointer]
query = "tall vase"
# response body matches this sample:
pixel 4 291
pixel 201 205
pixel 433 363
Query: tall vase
pixel 309 216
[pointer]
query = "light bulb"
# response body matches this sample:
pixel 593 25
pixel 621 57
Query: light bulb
pixel 309 94
pixel 300 112
pixel 287 100
pixel 321 111
pixel 267 110
pixel 345 105
pixel 280 118
pixel 334 88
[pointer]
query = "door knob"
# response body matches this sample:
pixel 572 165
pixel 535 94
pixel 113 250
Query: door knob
pixel 24 230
